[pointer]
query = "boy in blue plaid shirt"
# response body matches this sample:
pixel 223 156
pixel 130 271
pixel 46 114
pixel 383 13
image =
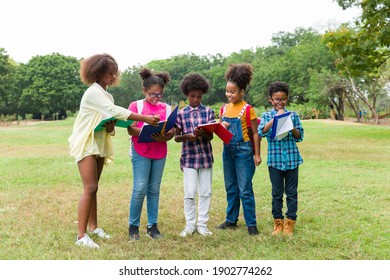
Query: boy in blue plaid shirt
pixel 196 159
pixel 283 160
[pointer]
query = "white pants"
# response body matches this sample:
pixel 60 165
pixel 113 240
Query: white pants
pixel 197 181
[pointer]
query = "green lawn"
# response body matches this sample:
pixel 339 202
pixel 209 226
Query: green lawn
pixel 344 200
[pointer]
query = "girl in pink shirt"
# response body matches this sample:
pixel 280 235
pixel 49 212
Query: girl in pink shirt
pixel 148 159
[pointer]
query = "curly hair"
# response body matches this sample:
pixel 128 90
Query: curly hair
pixel 94 67
pixel 149 78
pixel 276 87
pixel 194 82
pixel 240 74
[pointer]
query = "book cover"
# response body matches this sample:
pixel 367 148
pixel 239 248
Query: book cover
pixel 147 130
pixel 118 123
pixel 281 126
pixel 219 130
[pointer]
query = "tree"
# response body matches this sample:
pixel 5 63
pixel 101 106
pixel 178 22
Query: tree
pixel 177 67
pixel 53 85
pixel 292 58
pixel 8 69
pixel 363 49
pixel 327 91
pixel 129 88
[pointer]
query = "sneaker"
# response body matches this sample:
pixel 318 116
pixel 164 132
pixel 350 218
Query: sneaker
pixel 226 225
pixel 153 232
pixel 101 234
pixel 189 230
pixel 204 231
pixel 87 242
pixel 133 233
pixel 253 230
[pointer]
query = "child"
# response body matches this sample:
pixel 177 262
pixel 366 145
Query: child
pixel 148 158
pixel 283 160
pixel 196 159
pixel 93 149
pixel 238 159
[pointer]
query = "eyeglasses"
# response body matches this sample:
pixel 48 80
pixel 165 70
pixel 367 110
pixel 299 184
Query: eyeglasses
pixel 153 95
pixel 279 100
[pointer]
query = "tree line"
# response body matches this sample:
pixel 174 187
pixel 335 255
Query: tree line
pixel 345 68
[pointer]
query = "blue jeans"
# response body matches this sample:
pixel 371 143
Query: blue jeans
pixel 284 182
pixel 238 171
pixel 147 174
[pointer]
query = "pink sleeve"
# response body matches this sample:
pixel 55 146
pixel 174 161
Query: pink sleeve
pixel 133 107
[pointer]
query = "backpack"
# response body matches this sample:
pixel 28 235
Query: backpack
pixel 140 106
pixel 245 109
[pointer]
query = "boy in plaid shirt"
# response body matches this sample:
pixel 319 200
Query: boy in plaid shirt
pixel 196 159
pixel 283 160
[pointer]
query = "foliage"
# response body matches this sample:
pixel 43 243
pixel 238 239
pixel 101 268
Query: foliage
pixel 7 84
pixel 129 89
pixel 363 49
pixel 304 58
pixel 53 85
pixel 300 54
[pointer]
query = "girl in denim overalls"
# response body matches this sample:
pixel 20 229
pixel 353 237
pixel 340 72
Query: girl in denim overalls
pixel 239 162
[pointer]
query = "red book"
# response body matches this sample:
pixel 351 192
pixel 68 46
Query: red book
pixel 219 130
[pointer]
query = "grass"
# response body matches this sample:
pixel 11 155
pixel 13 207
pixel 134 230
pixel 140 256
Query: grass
pixel 344 198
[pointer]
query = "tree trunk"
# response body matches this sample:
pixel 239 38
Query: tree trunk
pixel 362 97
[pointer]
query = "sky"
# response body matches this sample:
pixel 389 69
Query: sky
pixel 137 32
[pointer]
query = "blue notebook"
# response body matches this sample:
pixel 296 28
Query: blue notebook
pixel 147 130
pixel 281 126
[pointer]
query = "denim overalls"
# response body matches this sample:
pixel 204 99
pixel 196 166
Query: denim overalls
pixel 238 170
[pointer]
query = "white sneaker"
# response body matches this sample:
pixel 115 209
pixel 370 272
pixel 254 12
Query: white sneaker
pixel 87 242
pixel 204 231
pixel 189 230
pixel 101 234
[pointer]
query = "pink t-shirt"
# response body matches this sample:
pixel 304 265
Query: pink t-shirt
pixel 154 150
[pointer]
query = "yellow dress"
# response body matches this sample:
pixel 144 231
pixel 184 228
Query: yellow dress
pixel 95 105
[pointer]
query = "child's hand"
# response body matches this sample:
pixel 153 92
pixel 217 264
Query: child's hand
pixel 152 120
pixel 163 137
pixel 225 124
pixel 191 137
pixel 110 126
pixel 199 131
pixel 257 160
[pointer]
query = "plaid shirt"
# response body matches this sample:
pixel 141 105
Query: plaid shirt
pixel 282 154
pixel 197 154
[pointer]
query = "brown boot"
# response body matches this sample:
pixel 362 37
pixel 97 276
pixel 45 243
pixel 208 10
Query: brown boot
pixel 288 227
pixel 278 226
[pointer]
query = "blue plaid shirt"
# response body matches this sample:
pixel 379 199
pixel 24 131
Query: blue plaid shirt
pixel 282 154
pixel 198 154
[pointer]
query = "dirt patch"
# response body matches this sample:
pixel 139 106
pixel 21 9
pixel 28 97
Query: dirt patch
pixel 20 123
pixel 349 121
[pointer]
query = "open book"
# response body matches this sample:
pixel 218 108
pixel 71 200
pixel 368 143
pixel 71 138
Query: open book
pixel 119 123
pixel 219 130
pixel 281 126
pixel 164 126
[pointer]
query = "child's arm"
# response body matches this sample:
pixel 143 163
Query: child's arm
pixel 256 140
pixel 150 119
pixel 133 130
pixel 268 125
pixel 296 133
